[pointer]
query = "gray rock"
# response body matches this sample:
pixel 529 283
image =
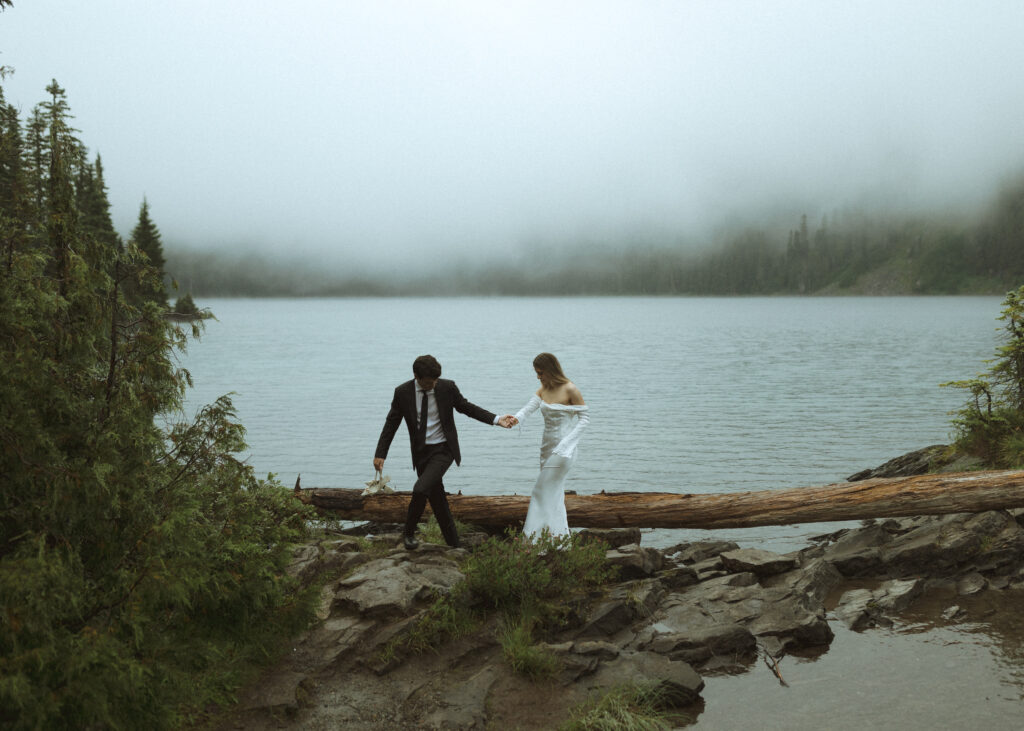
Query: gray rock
pixel 814 581
pixel 716 582
pixel 305 562
pixel 677 577
pixel 634 562
pixel 793 617
pixel 895 596
pixel 708 567
pixel 386 588
pixel 859 609
pixel 854 609
pixel 333 637
pixel 999 582
pixel 760 563
pixel 698 645
pixel 465 703
pixel 792 624
pixel 691 553
pixel 970 584
pixel 608 619
pixel 953 613
pixel 676 682
pixel 937 547
pixel 603 650
pixel 613 537
pixel 917 462
pixel 858 552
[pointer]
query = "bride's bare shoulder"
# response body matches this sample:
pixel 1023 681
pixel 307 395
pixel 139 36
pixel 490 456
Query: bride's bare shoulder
pixel 575 397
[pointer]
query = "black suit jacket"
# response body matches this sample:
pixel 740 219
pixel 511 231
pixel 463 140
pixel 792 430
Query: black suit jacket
pixel 449 400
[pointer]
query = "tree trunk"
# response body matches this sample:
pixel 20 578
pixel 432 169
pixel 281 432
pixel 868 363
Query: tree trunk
pixel 964 492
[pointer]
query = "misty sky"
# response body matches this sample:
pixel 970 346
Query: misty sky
pixel 380 130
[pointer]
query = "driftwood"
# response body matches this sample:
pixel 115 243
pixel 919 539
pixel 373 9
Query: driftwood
pixel 962 492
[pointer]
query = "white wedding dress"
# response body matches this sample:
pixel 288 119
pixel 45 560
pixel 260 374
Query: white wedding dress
pixel 563 425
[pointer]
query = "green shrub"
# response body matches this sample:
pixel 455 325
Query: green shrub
pixel 517 575
pixel 991 424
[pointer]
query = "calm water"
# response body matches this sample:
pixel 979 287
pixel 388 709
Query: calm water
pixel 688 395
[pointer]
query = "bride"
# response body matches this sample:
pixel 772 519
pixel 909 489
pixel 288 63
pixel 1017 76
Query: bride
pixel 565 418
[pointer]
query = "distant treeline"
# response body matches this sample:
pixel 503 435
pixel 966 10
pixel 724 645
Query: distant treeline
pixel 847 253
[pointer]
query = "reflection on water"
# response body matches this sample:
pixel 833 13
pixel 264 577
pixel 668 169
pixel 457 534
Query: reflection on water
pixel 923 673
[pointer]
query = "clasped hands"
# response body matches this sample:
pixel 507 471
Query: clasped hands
pixel 508 421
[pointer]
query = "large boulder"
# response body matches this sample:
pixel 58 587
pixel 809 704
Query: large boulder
pixel 859 552
pixel 813 581
pixel 391 588
pixel 634 561
pixel 917 462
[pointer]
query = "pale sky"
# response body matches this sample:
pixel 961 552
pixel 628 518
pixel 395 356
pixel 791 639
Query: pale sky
pixel 376 130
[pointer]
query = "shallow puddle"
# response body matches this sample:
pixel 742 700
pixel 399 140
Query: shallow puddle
pixel 925 672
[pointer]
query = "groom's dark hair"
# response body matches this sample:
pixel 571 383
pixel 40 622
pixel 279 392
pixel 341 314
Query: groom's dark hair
pixel 426 366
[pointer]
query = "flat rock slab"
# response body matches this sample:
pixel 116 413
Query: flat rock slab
pixel 678 683
pixel 758 562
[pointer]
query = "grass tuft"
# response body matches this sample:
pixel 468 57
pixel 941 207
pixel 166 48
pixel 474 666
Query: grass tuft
pixel 623 708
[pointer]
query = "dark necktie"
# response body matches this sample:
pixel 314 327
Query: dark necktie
pixel 421 432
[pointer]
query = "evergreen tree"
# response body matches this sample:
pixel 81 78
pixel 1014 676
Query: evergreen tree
pixel 991 424
pixel 133 556
pixel 91 195
pixel 34 166
pixel 64 152
pixel 146 238
pixel 13 213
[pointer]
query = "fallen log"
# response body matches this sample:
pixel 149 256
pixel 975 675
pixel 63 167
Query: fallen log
pixel 961 492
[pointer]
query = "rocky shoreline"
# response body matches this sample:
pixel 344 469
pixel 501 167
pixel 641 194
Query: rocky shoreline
pixel 696 608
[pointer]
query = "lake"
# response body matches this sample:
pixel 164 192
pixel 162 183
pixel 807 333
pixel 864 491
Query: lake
pixel 688 395
pixel 694 395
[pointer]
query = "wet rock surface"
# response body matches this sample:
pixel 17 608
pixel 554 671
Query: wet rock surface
pixel 707 606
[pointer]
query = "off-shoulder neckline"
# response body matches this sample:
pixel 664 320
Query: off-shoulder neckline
pixel 562 406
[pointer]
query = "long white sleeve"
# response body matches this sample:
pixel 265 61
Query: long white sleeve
pixel 567 447
pixel 532 405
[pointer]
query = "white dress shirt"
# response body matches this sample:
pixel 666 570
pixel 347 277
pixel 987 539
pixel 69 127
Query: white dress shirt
pixel 435 434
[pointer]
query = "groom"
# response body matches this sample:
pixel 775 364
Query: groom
pixel 426 403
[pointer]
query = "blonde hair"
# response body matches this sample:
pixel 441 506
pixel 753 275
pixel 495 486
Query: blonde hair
pixel 550 369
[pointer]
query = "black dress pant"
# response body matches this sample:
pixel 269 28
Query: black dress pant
pixel 432 461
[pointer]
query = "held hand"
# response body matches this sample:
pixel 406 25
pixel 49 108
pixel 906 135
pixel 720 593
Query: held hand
pixel 507 421
pixel 378 463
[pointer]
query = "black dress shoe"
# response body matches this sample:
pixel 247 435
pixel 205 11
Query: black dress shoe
pixel 409 542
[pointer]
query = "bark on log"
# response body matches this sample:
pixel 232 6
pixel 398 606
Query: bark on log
pixel 962 492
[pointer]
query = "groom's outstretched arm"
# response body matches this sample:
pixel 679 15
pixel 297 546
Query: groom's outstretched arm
pixel 464 406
